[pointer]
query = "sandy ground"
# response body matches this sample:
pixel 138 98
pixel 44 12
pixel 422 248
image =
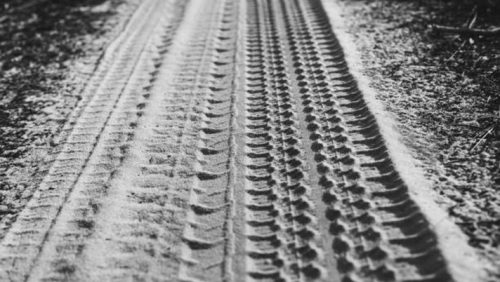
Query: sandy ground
pixel 193 141
pixel 442 107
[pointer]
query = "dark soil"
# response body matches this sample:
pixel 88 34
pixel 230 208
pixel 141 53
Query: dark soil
pixel 445 91
pixel 42 46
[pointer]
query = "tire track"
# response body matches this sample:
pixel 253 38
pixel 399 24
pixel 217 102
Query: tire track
pixel 280 217
pixel 171 194
pixel 62 254
pixel 93 149
pixel 378 233
pixel 207 242
pixel 206 239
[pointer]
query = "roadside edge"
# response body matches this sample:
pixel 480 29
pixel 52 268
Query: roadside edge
pixel 463 262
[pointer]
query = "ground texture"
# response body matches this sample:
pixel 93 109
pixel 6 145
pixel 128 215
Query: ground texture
pixel 213 141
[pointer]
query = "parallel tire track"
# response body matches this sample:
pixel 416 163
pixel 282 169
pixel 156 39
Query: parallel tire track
pixel 50 232
pixel 168 211
pixel 225 141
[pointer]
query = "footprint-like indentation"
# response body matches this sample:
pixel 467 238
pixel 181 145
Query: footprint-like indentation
pixel 271 275
pixel 307 253
pixel 332 214
pixel 198 244
pixel 204 210
pixel 208 130
pixel 263 207
pixel 305 234
pixel 345 266
pixel 205 175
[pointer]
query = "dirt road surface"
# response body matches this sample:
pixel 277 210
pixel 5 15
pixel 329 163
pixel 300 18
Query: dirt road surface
pixel 232 141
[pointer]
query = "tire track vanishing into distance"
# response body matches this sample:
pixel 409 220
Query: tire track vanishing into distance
pixel 281 229
pixel 52 229
pixel 377 232
pixel 298 82
pixel 224 141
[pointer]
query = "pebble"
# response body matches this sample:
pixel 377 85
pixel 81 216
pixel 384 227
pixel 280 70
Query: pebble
pixel 4 209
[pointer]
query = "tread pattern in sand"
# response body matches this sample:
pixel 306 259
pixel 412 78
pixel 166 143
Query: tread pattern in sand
pixel 223 141
pixel 280 216
pixel 51 232
pixel 377 231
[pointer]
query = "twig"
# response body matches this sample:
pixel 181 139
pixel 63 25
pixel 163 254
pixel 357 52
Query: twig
pixel 458 50
pixel 22 7
pixel 472 18
pixel 29 4
pixel 483 138
pixel 467 31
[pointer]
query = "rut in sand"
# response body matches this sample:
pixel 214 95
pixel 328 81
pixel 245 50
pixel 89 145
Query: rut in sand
pixel 223 141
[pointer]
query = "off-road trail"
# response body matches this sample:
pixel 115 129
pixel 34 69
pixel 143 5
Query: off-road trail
pixel 224 140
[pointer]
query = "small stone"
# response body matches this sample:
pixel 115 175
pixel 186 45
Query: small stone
pixel 4 209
